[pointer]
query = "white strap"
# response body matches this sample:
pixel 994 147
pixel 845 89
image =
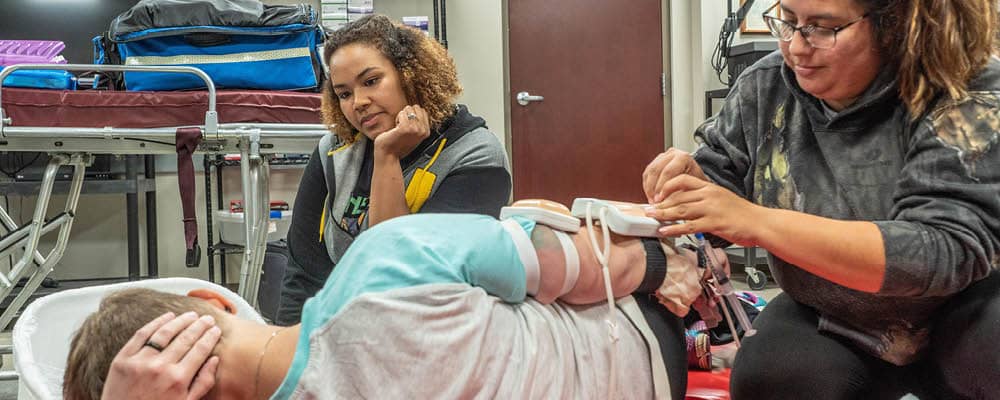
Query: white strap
pixel 572 262
pixel 526 252
pixel 602 257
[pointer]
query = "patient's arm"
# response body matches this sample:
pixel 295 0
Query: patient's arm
pixel 557 236
pixel 627 266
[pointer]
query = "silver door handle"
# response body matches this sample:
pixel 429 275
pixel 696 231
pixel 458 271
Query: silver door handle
pixel 523 98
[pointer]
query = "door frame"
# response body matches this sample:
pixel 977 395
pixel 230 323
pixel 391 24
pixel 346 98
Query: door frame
pixel 668 140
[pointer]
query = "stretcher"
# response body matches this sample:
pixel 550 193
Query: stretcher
pixel 73 126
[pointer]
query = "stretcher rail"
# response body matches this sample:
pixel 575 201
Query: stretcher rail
pixel 255 142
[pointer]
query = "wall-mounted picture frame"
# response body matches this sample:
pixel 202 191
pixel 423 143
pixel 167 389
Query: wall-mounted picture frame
pixel 754 21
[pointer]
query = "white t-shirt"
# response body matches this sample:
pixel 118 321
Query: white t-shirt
pixel 454 341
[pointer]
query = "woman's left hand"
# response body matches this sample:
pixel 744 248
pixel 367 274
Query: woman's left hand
pixel 412 127
pixel 702 206
pixel 168 358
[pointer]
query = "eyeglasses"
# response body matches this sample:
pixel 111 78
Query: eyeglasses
pixel 817 36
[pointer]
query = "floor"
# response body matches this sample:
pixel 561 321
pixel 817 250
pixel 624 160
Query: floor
pixel 8 389
pixel 769 292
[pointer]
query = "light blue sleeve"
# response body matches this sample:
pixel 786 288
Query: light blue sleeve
pixel 427 249
pixel 419 249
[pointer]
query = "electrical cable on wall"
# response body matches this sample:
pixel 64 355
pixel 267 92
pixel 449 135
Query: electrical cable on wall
pixel 720 56
pixel 10 256
pixel 437 21
pixel 444 23
pixel 16 164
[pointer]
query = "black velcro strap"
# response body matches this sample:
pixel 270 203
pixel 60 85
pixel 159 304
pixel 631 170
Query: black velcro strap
pixel 656 266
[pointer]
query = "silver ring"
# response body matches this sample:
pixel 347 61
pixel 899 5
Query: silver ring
pixel 411 116
pixel 150 343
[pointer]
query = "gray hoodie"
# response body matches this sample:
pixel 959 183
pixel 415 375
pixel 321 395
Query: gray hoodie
pixel 932 186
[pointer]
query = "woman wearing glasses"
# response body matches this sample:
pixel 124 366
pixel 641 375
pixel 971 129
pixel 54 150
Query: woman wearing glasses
pixel 865 157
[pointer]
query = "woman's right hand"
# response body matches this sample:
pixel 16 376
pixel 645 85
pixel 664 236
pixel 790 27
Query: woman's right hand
pixel 665 167
pixel 412 127
pixel 184 369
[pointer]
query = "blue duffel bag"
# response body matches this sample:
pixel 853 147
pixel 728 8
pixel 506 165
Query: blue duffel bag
pixel 40 79
pixel 240 44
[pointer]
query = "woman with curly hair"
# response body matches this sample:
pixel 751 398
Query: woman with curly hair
pixel 402 146
pixel 865 157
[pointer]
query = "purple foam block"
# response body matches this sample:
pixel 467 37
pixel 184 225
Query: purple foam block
pixel 31 51
pixel 6 59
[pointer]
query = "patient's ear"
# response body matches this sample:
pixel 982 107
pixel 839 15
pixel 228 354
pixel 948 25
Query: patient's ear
pixel 215 299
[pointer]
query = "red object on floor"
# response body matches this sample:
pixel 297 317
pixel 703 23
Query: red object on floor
pixel 708 385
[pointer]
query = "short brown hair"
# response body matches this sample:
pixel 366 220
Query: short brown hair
pixel 107 330
pixel 428 73
pixel 936 47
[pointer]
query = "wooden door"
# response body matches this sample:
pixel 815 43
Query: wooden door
pixel 598 66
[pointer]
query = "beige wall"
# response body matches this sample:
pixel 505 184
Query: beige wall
pixel 475 40
pixel 694 25
pixel 684 76
pixel 97 245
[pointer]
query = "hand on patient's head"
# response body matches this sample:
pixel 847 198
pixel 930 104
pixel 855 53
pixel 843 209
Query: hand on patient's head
pixel 127 332
pixel 184 369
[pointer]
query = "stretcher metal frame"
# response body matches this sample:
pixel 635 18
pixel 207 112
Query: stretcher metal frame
pixel 255 142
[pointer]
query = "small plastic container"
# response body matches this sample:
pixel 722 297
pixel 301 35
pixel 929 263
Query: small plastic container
pixel 232 227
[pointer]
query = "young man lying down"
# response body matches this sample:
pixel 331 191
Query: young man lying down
pixel 422 306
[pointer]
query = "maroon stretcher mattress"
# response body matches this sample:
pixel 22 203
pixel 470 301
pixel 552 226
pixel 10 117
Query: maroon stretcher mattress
pixel 121 109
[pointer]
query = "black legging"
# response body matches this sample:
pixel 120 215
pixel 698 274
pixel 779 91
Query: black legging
pixel 789 359
pixel 669 332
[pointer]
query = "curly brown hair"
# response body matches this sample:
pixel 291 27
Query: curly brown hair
pixel 427 72
pixel 936 46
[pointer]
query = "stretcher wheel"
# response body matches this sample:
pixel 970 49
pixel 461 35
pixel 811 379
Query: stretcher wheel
pixel 756 279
